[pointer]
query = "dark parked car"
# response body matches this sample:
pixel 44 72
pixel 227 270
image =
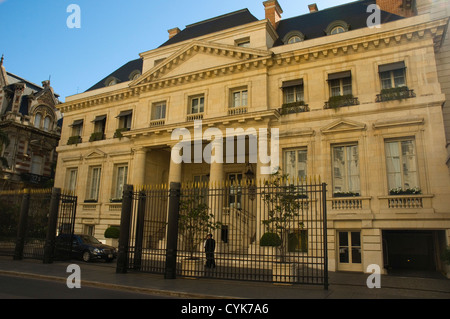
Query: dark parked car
pixel 88 248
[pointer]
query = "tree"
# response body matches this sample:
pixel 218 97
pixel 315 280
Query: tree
pixel 283 205
pixel 195 222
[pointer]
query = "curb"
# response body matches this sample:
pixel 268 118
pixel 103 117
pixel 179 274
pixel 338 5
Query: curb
pixel 96 284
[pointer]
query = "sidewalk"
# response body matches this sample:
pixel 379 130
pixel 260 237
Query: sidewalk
pixel 342 285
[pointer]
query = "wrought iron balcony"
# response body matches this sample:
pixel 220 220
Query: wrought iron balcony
pixel 295 107
pixel 340 101
pixel 392 94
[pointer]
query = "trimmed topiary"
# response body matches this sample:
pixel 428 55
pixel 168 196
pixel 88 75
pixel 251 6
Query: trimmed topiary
pixel 112 232
pixel 270 240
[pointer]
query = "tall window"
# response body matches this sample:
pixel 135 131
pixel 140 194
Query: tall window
pixel 293 91
pixel 125 119
pixel 345 169
pixel 93 183
pixel 47 122
pixel 121 179
pixel 159 111
pixel 197 104
pixel 239 98
pixel 100 124
pixel 295 163
pixel 37 120
pixel 392 75
pixel 401 164
pixel 340 83
pixel 77 128
pixel 71 179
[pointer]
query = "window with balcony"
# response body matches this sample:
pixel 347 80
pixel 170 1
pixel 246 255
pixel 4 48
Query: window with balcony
pixel 345 170
pixel 401 165
pixel 340 86
pixel 293 97
pixel 77 130
pixel 393 82
pixel 125 118
pixel 239 101
pixel 196 107
pixel 158 114
pixel 99 129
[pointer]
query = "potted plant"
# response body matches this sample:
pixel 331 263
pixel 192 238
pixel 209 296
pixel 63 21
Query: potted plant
pixel 283 206
pixel 194 223
pixel 112 234
pixel 407 191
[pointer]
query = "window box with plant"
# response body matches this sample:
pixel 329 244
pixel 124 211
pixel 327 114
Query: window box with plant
pixel 345 194
pixel 293 107
pixel 119 131
pixel 74 140
pixel 341 100
pixel 395 93
pixel 407 191
pixel 97 136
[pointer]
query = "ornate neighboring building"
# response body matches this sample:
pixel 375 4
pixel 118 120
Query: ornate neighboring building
pixel 29 117
pixel 361 107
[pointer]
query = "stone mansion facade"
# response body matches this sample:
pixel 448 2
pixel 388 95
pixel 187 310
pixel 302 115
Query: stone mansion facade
pixel 360 107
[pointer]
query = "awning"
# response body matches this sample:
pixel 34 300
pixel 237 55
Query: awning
pixel 77 123
pixel 99 118
pixel 292 83
pixel 339 75
pixel 391 66
pixel 125 113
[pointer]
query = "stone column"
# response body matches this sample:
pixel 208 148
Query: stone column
pixel 217 186
pixel 175 168
pixel 140 156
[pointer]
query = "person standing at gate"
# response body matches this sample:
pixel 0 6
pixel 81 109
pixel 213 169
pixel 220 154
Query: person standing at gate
pixel 210 247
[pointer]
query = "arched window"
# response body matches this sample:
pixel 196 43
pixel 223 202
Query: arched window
pixel 47 122
pixel 37 120
pixel 294 39
pixel 336 27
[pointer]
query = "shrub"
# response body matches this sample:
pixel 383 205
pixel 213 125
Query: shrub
pixel 446 256
pixel 112 232
pixel 270 240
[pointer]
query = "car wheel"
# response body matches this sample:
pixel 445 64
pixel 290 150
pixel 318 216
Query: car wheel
pixel 86 256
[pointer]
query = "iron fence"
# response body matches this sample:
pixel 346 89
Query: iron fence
pixel 273 231
pixel 30 221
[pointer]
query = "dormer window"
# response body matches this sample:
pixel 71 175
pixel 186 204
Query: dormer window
pixel 293 37
pixel 37 120
pixel 337 27
pixel 134 75
pixel 111 81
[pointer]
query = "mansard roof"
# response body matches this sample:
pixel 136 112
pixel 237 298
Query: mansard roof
pixel 311 25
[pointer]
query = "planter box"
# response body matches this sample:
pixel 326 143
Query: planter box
pixel 114 242
pixel 284 272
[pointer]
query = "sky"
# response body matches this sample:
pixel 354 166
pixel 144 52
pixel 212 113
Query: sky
pixel 38 44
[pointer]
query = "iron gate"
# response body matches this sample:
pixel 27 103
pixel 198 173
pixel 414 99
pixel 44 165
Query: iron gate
pixel 33 219
pixel 274 231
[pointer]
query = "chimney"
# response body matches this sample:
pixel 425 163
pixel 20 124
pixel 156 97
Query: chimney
pixel 404 8
pixel 173 32
pixel 273 12
pixel 313 8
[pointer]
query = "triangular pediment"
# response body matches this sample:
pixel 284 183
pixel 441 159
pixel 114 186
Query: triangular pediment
pixel 199 56
pixel 342 126
pixel 95 154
